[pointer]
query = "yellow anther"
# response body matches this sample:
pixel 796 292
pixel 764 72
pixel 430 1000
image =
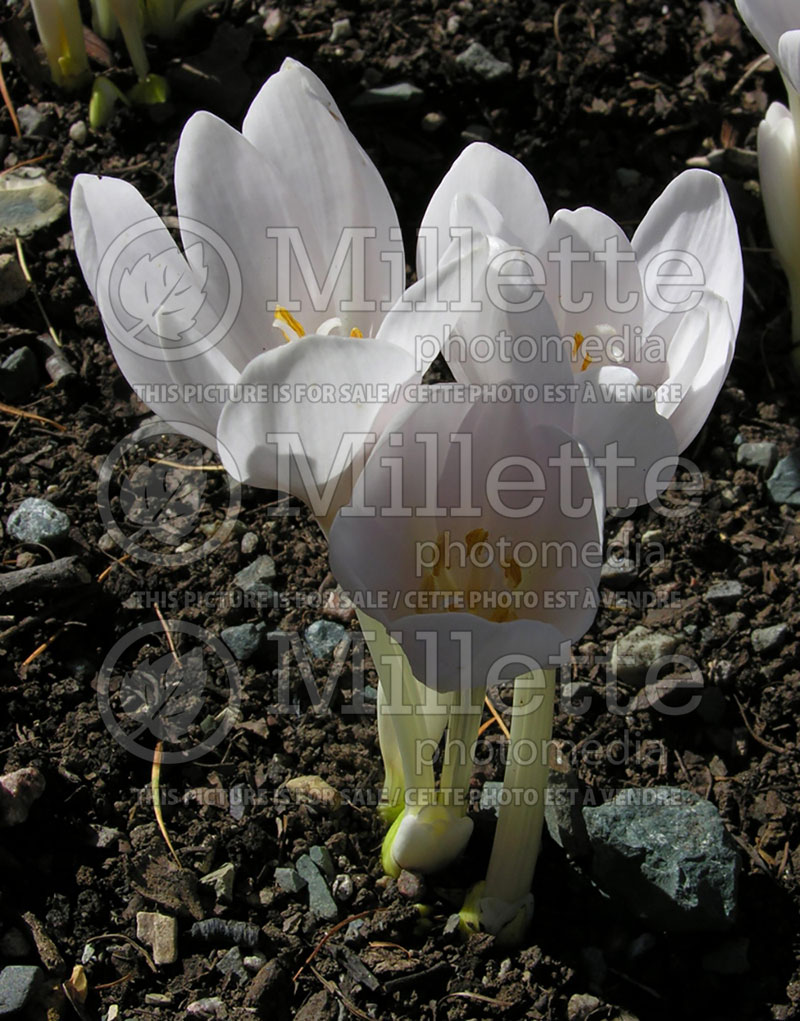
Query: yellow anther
pixel 578 342
pixel 513 572
pixel 355 332
pixel 283 315
pixel 587 361
pixel 474 537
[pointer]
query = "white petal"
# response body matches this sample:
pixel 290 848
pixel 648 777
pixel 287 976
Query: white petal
pixel 333 184
pixel 789 55
pixel 700 356
pixel 319 427
pixel 499 180
pixel 593 284
pixel 117 233
pixel 621 423
pixel 689 227
pixel 779 172
pixel 768 20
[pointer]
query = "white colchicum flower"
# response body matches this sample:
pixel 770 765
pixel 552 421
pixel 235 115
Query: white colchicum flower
pixel 650 324
pixel 291 267
pixel 776 25
pixel 475 533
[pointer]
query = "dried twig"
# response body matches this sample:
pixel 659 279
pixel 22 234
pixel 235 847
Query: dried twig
pixel 9 105
pixel 6 409
pixel 27 274
pixel 757 737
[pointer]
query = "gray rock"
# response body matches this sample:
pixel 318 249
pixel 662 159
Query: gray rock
pixel 576 697
pixel 403 94
pixel 38 520
pixel 13 284
pixel 36 120
pixel 256 576
pixel 563 812
pixel 18 984
pixel 323 636
pixel 784 483
pixel 289 880
pixel 490 796
pixel 411 886
pixel 159 932
pixel 482 64
pixel 724 593
pixel 580 1006
pixel 652 536
pixel 769 639
pixel 245 640
pixel 221 880
pixel 618 573
pixel 28 202
pixel 19 375
pixel 341 30
pixel 321 857
pixel 352 935
pixel 633 654
pixel 668 857
pixel 320 902
pixel 78 132
pixel 757 455
pixel 232 963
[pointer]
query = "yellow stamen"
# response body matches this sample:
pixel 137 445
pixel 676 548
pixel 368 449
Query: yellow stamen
pixel 355 332
pixel 513 572
pixel 587 361
pixel 474 537
pixel 283 315
pixel 578 342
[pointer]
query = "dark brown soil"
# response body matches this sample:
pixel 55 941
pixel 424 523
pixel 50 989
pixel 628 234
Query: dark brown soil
pixel 598 90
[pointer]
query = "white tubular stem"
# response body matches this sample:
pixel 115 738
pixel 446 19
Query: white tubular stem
pixel 519 825
pixel 462 733
pixel 130 20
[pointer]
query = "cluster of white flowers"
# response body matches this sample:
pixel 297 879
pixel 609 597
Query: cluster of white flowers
pixel 460 522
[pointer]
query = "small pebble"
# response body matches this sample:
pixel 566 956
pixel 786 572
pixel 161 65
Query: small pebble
pixel 254 962
pixel 482 64
pixel 209 1006
pixel 784 483
pixel 580 1006
pixel 231 963
pixel 160 932
pixel 342 889
pixel 158 999
pixel 18 791
pixel 320 902
pixel 411 886
pixel 768 639
pixel 433 121
pixel 757 455
pixel 249 543
pixel 221 880
pixel 39 521
pixel 78 132
pixel 275 23
pixel 724 593
pixel 289 880
pixel 341 30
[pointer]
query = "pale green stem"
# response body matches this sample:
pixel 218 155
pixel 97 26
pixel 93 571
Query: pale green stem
pixel 519 825
pixel 61 31
pixel 129 16
pixel 462 735
pixel 104 20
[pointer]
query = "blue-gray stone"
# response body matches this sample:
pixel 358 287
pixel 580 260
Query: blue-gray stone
pixel 403 94
pixel 232 963
pixel 665 853
pixel 618 573
pixel 757 455
pixel 323 636
pixel 19 375
pixel 38 520
pixel 18 984
pixel 245 640
pixel 321 857
pixel 480 62
pixel 289 880
pixel 320 900
pixel 724 593
pixel 769 639
pixel 257 575
pixel 784 483
pixel 28 202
